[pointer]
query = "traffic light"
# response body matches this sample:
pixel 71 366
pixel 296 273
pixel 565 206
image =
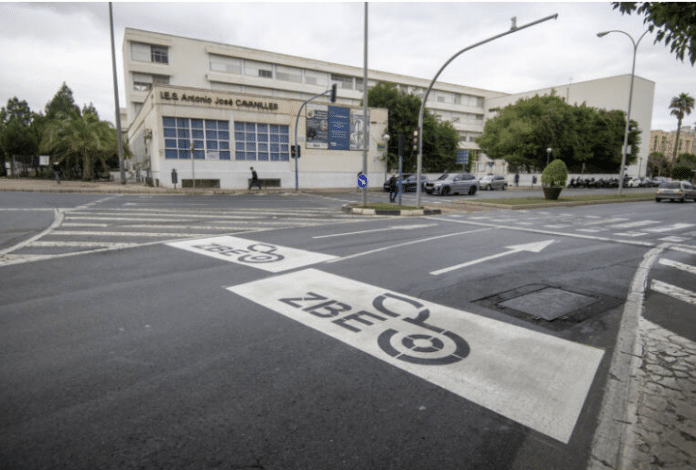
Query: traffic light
pixel 332 96
pixel 292 151
pixel 415 140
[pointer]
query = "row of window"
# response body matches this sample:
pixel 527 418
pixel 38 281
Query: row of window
pixel 149 53
pixel 211 139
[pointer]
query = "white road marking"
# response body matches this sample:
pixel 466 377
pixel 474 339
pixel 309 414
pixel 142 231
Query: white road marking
pixel 80 244
pixel 394 227
pixel 533 247
pixel 676 264
pixel 536 379
pixel 673 291
pixel 668 228
pixel 630 234
pixel 399 245
pixel 56 223
pixel 605 221
pixel 272 258
pixel 640 223
pixel 673 239
pixel 129 234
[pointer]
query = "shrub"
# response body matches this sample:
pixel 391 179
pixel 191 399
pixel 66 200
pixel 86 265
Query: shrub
pixel 682 172
pixel 555 174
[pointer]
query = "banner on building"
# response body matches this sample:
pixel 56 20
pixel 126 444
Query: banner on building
pixel 334 128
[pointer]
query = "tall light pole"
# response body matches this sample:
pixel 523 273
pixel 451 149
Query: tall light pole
pixel 419 165
pixel 630 99
pixel 366 121
pixel 118 108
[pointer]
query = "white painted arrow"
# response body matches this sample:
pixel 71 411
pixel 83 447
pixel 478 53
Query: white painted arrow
pixel 533 247
pixel 394 227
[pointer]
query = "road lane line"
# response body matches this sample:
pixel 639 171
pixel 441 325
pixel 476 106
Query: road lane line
pixel 377 250
pixel 668 228
pixel 395 227
pixel 673 291
pixel 533 247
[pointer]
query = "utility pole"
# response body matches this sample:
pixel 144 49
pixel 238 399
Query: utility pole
pixel 118 106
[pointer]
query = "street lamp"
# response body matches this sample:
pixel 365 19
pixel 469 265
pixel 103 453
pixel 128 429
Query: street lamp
pixel 630 98
pixel 548 155
pixel 419 162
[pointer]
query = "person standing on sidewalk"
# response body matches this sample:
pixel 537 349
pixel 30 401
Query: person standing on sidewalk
pixel 254 179
pixel 393 187
pixel 56 172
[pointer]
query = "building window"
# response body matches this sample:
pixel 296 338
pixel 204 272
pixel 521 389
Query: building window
pixel 258 69
pixel 210 138
pixel 219 63
pixel 262 142
pixel 316 78
pixel 149 53
pixel 344 81
pixel 144 81
pixel 288 74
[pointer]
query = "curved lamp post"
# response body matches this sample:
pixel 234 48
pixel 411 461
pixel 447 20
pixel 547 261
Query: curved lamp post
pixel 419 165
pixel 630 98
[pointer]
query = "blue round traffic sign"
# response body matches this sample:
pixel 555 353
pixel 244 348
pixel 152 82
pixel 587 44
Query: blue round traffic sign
pixel 362 181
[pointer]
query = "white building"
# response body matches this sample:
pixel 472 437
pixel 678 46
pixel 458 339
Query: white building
pixel 233 87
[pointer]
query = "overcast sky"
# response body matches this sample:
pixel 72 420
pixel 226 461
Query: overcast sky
pixel 46 44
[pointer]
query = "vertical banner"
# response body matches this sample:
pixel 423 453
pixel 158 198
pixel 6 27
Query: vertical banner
pixel 317 126
pixel 339 127
pixel 357 129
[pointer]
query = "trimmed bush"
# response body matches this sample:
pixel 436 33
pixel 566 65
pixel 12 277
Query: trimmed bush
pixel 682 172
pixel 555 175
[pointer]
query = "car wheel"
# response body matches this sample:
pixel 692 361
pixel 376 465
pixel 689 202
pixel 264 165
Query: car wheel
pixel 472 190
pixel 489 188
pixel 657 199
pixel 504 187
pixel 445 191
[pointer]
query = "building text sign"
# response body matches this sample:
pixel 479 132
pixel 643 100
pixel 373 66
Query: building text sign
pixel 205 99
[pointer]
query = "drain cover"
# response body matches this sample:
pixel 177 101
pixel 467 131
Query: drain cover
pixel 549 303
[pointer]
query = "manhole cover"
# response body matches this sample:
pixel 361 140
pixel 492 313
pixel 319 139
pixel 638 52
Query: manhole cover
pixel 549 303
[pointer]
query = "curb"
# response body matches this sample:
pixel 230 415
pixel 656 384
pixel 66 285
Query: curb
pixel 391 212
pixel 557 204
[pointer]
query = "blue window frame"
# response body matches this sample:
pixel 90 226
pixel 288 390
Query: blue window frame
pixel 263 142
pixel 206 134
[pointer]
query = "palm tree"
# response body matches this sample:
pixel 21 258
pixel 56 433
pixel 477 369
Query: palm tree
pixel 681 106
pixel 79 140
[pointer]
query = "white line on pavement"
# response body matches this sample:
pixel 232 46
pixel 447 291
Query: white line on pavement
pixel 676 264
pixel 395 227
pixel 674 291
pixel 56 223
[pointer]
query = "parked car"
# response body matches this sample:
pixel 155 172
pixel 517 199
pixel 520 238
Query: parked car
pixel 676 191
pixel 386 183
pixel 453 183
pixel 636 183
pixel 409 184
pixel 491 182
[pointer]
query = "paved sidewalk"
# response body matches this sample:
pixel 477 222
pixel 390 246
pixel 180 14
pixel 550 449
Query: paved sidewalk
pixel 663 394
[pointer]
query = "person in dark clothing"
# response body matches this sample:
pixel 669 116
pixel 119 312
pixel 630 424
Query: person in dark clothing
pixel 254 179
pixel 517 179
pixel 56 172
pixel 393 187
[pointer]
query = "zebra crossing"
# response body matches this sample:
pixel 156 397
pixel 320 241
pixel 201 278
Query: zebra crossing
pixel 90 229
pixel 686 273
pixel 616 227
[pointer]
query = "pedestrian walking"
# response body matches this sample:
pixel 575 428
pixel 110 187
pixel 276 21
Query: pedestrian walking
pixel 254 179
pixel 517 179
pixel 533 180
pixel 56 172
pixel 393 187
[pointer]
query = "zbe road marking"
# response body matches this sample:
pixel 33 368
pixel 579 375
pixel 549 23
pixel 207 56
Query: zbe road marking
pixel 536 379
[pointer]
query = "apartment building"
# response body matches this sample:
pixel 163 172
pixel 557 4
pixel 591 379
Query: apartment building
pixel 663 141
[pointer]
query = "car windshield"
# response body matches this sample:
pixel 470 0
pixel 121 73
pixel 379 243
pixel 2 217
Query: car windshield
pixel 670 186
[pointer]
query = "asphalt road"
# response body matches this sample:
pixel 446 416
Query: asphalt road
pixel 277 332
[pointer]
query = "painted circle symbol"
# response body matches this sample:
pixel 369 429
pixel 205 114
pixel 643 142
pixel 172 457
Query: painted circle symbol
pixel 262 253
pixel 423 343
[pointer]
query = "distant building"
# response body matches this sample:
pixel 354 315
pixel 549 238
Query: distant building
pixel 663 141
pixel 247 101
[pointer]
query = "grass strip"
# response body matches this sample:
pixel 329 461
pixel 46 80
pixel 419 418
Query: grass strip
pixel 589 197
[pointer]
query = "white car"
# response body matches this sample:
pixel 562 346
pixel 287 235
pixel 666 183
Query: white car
pixel 676 191
pixel 490 182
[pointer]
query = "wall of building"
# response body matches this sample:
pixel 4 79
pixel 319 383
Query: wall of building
pixel 663 141
pixel 317 168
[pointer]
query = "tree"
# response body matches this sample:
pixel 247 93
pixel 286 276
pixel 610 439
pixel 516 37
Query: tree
pixel 681 106
pixel 18 135
pixel 658 164
pixel 581 136
pixel 80 142
pixel 62 102
pixel 440 138
pixel 675 23
pixel 682 172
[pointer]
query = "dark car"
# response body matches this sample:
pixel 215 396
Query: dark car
pixel 405 175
